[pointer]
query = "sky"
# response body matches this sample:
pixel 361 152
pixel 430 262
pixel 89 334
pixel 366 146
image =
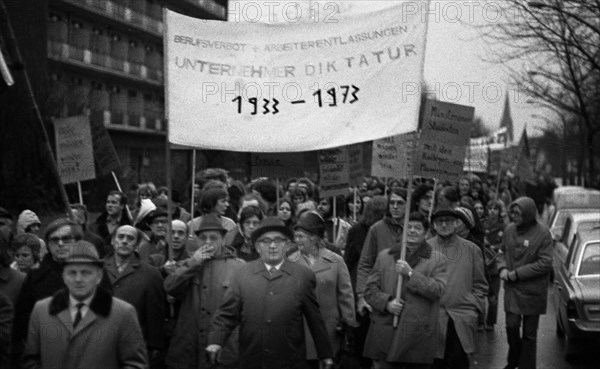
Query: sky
pixel 454 61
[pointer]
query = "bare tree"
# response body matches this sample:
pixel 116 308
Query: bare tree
pixel 556 47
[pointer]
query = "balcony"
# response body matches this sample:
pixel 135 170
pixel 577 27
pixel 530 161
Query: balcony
pixel 127 122
pixel 121 14
pixel 211 6
pixel 103 63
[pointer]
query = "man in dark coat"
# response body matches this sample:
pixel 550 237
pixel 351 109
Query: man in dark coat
pixel 6 319
pixel 268 298
pixel 114 216
pixel 139 284
pixel 524 262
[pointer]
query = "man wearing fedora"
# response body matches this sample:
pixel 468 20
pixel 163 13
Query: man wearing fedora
pixel 198 285
pixel 83 326
pixel 465 295
pixel 270 298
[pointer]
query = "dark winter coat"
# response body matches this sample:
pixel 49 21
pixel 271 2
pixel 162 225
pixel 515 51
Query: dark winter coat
pixel 99 227
pixel 383 235
pixel 354 245
pixel 270 310
pixel 141 285
pixel 416 334
pixel 200 289
pixel 108 336
pixel 11 282
pixel 527 250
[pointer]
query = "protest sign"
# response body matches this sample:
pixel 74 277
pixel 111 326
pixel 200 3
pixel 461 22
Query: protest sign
pixel 74 150
pixel 333 172
pixel 355 165
pixel 105 154
pixel 393 156
pixel 476 159
pixel 283 165
pixel 295 86
pixel 443 141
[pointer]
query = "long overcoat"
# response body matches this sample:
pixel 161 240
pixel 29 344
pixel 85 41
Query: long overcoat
pixel 108 336
pixel 528 251
pixel 269 310
pixel 413 339
pixel 200 289
pixel 141 285
pixel 334 295
pixel 466 290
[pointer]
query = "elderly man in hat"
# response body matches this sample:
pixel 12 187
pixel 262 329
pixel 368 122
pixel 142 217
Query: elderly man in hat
pixel 270 298
pixel 466 292
pixel 90 328
pixel 140 284
pixel 198 285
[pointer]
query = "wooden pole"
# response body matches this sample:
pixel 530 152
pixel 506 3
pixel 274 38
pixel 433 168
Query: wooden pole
pixel 403 245
pixel 335 220
pixel 121 190
pixel 170 194
pixel 80 192
pixel 435 182
pixel 193 193
pixel 355 197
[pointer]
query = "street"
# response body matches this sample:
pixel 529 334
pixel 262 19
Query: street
pixel 493 347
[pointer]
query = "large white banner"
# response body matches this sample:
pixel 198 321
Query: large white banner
pixel 294 86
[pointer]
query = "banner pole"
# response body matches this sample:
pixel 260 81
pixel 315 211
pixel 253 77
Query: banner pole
pixel 80 192
pixel 435 183
pixel 193 189
pixel 121 190
pixel 403 245
pixel 355 197
pixel 335 220
pixel 170 192
pixel 277 197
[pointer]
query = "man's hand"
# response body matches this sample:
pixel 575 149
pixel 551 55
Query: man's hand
pixel 326 363
pixel 205 252
pixel 361 305
pixel 512 276
pixel 395 307
pixel 214 353
pixel 403 268
pixel 504 274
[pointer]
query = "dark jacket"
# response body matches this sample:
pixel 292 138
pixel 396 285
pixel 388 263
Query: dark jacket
pixel 11 282
pixel 526 249
pixel 270 312
pixel 384 234
pixel 99 227
pixel 6 319
pixel 141 285
pixel 200 289
pixel 354 245
pixel 108 336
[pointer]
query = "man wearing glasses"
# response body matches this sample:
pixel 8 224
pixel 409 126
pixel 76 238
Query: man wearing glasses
pixel 268 298
pixel 466 292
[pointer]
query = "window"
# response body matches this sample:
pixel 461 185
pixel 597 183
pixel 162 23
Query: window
pixel 590 260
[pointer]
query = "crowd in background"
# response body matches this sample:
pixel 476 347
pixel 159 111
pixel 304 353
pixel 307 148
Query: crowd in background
pixel 351 243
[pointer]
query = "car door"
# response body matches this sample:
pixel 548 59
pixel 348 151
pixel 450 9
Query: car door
pixel 560 246
pixel 563 285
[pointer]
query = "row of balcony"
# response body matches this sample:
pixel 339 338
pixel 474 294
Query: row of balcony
pixel 64 51
pixel 127 121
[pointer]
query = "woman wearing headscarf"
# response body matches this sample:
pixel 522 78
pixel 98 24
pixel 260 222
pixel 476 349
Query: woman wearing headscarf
pixel 240 239
pixel 334 290
pixel 424 272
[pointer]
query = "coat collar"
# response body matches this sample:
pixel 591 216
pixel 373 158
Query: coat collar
pixel 47 265
pixel 258 267
pixel 101 303
pixel 110 265
pixel 323 262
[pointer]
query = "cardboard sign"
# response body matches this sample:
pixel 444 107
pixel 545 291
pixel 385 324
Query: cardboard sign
pixel 355 165
pixel 74 150
pixel 104 151
pixel 443 141
pixel 291 87
pixel 393 156
pixel 284 165
pixel 333 172
pixel 476 159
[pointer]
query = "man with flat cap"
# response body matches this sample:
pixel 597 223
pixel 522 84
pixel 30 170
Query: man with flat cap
pixel 465 295
pixel 269 298
pixel 83 326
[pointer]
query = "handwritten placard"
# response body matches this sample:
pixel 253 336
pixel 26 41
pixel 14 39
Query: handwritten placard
pixel 259 87
pixel 393 156
pixel 104 151
pixel 443 141
pixel 333 172
pixel 74 150
pixel 476 159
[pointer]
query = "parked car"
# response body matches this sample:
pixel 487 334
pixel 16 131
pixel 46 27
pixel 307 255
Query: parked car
pixel 567 200
pixel 576 222
pixel 577 292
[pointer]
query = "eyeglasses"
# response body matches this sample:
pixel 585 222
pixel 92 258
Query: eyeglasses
pixel 64 239
pixel 278 241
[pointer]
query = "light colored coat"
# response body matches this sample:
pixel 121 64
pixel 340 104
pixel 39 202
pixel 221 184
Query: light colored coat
pixel 334 294
pixel 412 340
pixel 466 290
pixel 108 337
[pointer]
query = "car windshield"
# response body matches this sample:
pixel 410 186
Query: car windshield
pixel 590 261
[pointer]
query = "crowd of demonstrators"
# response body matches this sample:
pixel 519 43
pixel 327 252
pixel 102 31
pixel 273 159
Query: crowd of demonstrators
pixel 275 276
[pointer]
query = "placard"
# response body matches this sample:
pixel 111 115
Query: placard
pixel 355 165
pixel 443 141
pixel 74 150
pixel 333 172
pixel 393 156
